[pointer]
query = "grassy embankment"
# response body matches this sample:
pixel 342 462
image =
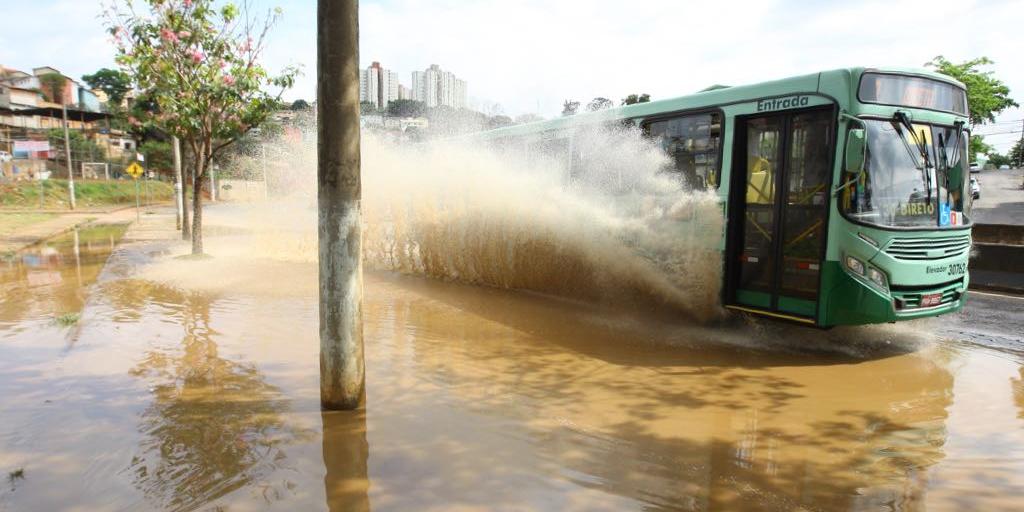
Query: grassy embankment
pixel 24 195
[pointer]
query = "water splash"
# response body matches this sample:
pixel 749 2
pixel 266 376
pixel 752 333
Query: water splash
pixel 620 230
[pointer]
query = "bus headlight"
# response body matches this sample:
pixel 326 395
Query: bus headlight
pixel 855 265
pixel 876 277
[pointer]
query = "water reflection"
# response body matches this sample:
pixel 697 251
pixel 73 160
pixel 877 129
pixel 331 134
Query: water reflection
pixel 653 415
pixel 345 452
pixel 48 279
pixel 483 399
pixel 1018 392
pixel 214 424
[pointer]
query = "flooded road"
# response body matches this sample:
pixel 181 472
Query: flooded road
pixel 193 385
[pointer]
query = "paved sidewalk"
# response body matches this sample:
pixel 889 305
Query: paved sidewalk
pixel 157 225
pixel 39 231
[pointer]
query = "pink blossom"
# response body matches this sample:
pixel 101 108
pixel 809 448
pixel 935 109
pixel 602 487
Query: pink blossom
pixel 188 3
pixel 197 56
pixel 168 35
pixel 229 80
pixel 222 64
pixel 184 34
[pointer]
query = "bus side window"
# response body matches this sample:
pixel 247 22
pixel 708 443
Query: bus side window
pixel 692 143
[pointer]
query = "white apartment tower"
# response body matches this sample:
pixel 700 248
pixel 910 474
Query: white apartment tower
pixel 378 86
pixel 434 86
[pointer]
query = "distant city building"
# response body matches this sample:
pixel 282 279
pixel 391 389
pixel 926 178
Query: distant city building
pixel 434 87
pixel 378 86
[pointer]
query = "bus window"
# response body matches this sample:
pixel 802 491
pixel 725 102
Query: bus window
pixel 548 148
pixel 692 143
pixel 762 160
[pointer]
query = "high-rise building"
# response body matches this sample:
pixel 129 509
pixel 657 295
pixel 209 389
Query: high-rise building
pixel 378 86
pixel 434 86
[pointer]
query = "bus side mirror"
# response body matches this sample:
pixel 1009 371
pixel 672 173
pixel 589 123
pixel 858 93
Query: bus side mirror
pixel 856 150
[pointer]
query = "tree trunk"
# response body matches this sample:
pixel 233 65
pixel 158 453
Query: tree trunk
pixel 197 204
pixel 186 229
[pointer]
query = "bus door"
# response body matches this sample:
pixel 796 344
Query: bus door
pixel 778 206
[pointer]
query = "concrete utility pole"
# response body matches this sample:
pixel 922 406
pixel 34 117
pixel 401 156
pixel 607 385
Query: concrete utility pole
pixel 213 186
pixel 263 162
pixel 342 378
pixel 67 154
pixel 179 198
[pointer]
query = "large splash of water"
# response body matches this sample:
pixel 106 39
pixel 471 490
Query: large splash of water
pixel 620 229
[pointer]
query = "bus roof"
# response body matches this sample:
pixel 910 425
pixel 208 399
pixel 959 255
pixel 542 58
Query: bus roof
pixel 707 98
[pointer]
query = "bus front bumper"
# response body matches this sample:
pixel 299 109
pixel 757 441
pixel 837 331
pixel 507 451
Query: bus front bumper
pixel 852 302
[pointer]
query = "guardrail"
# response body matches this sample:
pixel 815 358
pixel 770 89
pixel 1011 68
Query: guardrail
pixel 997 258
pixel 998 234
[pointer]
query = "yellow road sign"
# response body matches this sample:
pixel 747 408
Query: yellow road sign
pixel 134 170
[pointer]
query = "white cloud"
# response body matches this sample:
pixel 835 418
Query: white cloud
pixel 529 55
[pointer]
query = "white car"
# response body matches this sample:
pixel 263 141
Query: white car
pixel 975 167
pixel 1004 167
pixel 975 188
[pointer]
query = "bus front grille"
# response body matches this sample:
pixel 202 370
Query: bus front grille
pixel 928 248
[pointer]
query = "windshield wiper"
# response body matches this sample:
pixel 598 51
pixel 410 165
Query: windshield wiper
pixel 922 147
pixel 901 122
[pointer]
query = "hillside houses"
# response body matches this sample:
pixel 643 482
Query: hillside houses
pixel 33 103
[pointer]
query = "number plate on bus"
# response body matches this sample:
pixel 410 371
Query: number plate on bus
pixel 931 299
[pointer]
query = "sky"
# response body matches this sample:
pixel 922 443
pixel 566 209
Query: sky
pixel 528 56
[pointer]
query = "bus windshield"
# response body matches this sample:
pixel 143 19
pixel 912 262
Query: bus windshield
pixel 901 187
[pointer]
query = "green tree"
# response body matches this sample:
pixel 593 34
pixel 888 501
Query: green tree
pixel 83 149
pixel 633 99
pixel 199 61
pixel 158 156
pixel 299 104
pixel 599 103
pixel 367 107
pixel 406 108
pixel 995 159
pixel 987 96
pixel 570 107
pixel 1016 154
pixel 978 146
pixel 113 82
pixel 53 87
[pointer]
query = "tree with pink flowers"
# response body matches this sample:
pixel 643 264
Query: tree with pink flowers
pixel 198 63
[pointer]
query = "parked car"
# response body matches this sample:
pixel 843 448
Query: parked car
pixel 975 167
pixel 975 188
pixel 1004 167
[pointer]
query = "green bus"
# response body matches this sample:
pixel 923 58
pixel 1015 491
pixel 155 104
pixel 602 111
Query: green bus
pixel 845 193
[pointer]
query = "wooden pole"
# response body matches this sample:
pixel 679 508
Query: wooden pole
pixel 179 198
pixel 342 378
pixel 67 155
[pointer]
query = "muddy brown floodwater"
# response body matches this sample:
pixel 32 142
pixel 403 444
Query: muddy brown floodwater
pixel 169 395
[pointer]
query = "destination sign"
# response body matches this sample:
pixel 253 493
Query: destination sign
pixel 781 103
